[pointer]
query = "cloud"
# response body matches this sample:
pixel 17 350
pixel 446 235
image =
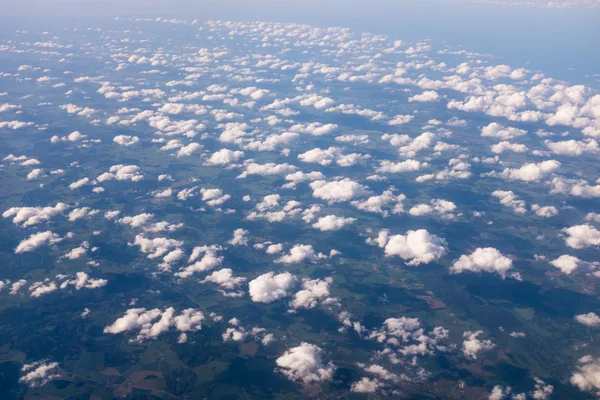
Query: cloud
pixel 313 291
pixel 270 287
pixel 401 120
pixel 267 169
pixel 82 280
pixel 122 172
pixel 29 216
pixel 224 278
pixel 36 240
pixel 186 151
pixel 224 157
pixel 590 319
pixel 75 136
pixel 486 259
pixel 240 238
pixel 566 263
pixel 509 199
pixel 137 221
pixel 39 373
pixel 417 144
pixel 83 212
pixel 80 183
pixel 305 364
pixel 503 146
pixel 573 147
pixel 581 236
pixel 141 320
pixel 366 385
pixel 427 96
pixel 155 247
pixel 472 346
pixel 545 212
pixel 209 260
pixel 299 176
pixel 314 128
pixel 417 247
pixel 337 191
pixel 376 204
pixel 587 375
pixel 390 167
pixel 214 197
pixel 443 208
pixel 301 252
pixel 332 223
pixel 531 172
pixel 126 140
pixel 496 130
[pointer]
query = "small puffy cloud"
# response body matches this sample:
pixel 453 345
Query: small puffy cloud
pixel 416 247
pixel 313 291
pixel 531 172
pixel 35 174
pixel 587 375
pixel 29 216
pixel 240 238
pixel 39 373
pixel 75 136
pixel 224 278
pixel 545 212
pixel 305 364
pixel 301 252
pixel 267 169
pixel 82 280
pixel 142 320
pixel 486 259
pixel 136 221
pixel 332 223
pixel 36 240
pixel 566 263
pixel 401 120
pixel 589 319
pixel 122 172
pixel 155 247
pixel 390 167
pixel 80 183
pixel 339 190
pixel 214 197
pixel 440 207
pixel 503 146
pixel 426 96
pixel 224 157
pixel 573 147
pixel 332 154
pixel 378 204
pixel 299 176
pixel 366 385
pixel 314 128
pixel 126 140
pixel 186 151
pixel 417 144
pixel 472 346
pixel 581 236
pixel 270 287
pixel 82 212
pixel 77 252
pixel 112 214
pixel 495 130
pixel 209 260
pixel 509 199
